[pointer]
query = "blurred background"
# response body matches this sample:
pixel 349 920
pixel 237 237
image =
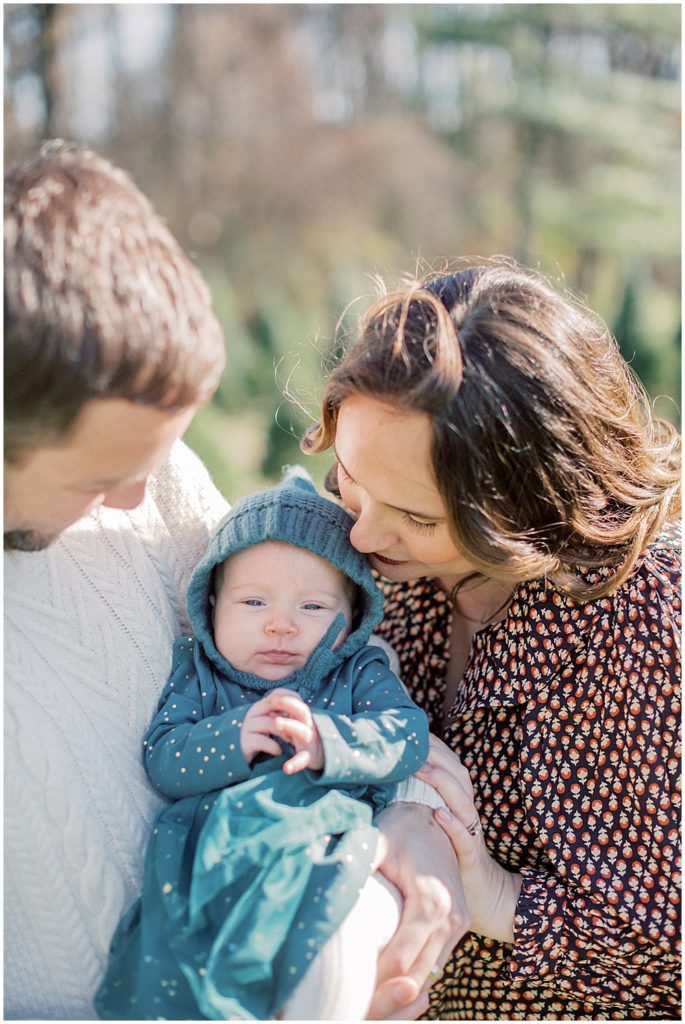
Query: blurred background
pixel 298 149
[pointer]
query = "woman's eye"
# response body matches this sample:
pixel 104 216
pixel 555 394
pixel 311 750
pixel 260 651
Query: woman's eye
pixel 422 525
pixel 343 477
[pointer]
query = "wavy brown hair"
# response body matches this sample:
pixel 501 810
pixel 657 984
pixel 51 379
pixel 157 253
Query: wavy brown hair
pixel 100 301
pixel 545 450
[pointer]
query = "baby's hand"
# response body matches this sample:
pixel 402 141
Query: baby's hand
pixel 295 724
pixel 285 715
pixel 256 734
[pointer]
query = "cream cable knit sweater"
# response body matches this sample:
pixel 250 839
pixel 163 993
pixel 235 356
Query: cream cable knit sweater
pixel 89 628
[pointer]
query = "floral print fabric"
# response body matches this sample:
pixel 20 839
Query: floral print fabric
pixel 567 718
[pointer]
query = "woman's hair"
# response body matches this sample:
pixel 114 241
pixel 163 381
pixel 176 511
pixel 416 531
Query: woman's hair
pixel 544 449
pixel 100 301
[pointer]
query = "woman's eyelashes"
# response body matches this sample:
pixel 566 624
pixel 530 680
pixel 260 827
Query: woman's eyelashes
pixel 341 471
pixel 420 525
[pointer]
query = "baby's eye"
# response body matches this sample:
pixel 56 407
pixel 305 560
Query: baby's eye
pixel 253 602
pixel 312 606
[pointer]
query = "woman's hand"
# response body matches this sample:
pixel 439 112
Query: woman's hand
pixel 491 891
pixel 416 856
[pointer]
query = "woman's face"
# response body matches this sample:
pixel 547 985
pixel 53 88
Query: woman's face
pixel 386 482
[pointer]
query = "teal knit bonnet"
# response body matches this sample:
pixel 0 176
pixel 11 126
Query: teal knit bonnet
pixel 292 512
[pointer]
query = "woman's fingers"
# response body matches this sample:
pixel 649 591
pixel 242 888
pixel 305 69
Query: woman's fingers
pixel 466 845
pixel 448 776
pixel 441 756
pixel 458 798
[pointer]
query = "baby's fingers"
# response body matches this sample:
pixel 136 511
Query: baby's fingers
pixel 266 745
pixel 293 732
pixel 297 763
pixel 290 704
pixel 263 724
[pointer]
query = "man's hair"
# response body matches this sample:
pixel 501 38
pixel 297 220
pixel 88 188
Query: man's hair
pixel 100 300
pixel 545 450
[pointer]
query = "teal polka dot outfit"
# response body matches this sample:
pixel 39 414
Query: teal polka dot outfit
pixel 249 871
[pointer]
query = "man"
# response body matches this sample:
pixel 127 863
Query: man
pixel 110 346
pixel 109 333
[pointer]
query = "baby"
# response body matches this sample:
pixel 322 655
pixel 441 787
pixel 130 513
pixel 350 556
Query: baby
pixel 279 734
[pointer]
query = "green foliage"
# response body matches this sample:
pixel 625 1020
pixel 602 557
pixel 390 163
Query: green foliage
pixel 628 333
pixel 547 132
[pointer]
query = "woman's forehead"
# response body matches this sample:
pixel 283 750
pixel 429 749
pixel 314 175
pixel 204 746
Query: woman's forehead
pixel 387 451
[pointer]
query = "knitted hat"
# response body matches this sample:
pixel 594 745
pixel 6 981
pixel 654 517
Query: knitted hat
pixel 295 513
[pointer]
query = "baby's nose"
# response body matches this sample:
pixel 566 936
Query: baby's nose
pixel 281 622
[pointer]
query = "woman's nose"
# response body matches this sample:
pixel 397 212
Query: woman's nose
pixel 369 534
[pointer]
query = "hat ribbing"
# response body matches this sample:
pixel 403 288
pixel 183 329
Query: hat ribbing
pixel 292 512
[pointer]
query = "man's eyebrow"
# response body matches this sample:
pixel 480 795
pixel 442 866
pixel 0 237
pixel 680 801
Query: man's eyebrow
pixel 407 511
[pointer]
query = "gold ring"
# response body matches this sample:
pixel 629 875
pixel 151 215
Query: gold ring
pixel 474 829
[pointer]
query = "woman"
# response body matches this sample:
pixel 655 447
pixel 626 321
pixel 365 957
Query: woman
pixel 519 500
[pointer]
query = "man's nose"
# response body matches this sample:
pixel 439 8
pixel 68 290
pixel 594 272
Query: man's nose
pixel 126 496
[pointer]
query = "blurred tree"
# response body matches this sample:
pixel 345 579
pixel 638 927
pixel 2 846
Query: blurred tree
pixel 33 35
pixel 296 149
pixel 628 332
pixel 585 102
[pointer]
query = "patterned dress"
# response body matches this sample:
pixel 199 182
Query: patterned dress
pixel 567 717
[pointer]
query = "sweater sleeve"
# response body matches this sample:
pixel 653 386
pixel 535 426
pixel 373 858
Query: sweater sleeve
pixel 603 920
pixel 190 507
pixel 191 746
pixel 384 740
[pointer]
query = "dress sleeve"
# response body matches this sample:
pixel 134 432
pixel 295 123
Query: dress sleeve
pixel 385 739
pixel 190 747
pixel 603 794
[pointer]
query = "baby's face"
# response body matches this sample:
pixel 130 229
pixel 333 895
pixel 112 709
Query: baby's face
pixel 275 603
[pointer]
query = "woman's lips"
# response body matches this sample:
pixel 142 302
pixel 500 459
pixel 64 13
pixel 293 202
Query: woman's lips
pixel 387 561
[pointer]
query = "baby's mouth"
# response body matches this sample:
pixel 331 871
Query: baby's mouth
pixel 277 657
